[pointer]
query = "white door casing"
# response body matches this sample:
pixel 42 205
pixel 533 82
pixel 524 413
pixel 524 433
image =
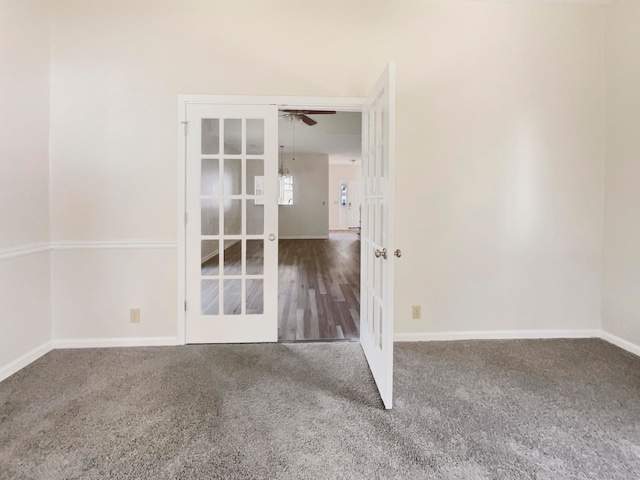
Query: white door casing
pixel 376 194
pixel 377 248
pixel 232 223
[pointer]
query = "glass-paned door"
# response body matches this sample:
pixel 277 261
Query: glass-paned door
pixel 377 247
pixel 232 223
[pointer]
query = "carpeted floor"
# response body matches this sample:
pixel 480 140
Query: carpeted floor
pixel 538 409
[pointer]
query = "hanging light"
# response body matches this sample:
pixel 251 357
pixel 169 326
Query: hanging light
pixel 282 171
pixel 293 139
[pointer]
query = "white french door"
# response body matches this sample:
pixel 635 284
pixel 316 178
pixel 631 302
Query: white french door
pixel 377 247
pixel 232 223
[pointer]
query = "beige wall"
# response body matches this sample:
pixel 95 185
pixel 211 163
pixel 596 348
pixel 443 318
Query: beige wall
pixel 115 280
pixel 308 217
pixel 338 173
pixel 499 138
pixel 24 123
pixel 621 285
pixel 25 318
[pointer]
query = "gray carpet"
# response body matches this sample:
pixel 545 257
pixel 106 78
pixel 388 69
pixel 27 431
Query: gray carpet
pixel 541 409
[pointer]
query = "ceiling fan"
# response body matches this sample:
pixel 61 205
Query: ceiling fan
pixel 301 115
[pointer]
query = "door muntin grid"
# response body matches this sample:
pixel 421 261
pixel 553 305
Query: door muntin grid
pixel 232 220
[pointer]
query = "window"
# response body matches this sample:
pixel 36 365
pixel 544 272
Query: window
pixel 285 190
pixel 343 194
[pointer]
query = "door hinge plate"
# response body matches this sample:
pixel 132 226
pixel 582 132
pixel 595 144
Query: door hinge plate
pixel 185 305
pixel 186 127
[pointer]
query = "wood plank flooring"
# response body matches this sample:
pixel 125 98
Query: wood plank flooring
pixel 318 291
pixel 232 265
pixel 319 288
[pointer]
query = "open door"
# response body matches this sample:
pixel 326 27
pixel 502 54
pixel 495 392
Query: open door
pixel 231 223
pixel 377 249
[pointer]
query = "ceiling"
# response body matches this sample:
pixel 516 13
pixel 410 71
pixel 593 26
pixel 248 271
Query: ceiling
pixel 338 136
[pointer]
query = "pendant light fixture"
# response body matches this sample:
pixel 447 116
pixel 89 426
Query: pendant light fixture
pixel 282 171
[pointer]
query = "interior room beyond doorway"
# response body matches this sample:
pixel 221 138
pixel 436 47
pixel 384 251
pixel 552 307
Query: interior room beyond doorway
pixel 319 240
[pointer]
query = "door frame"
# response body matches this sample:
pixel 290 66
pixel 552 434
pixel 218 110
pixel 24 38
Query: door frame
pixel 340 104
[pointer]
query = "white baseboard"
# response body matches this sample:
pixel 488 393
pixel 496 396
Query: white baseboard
pixel 31 356
pixel 114 342
pixel 24 360
pixel 620 342
pixel 304 237
pixel 494 335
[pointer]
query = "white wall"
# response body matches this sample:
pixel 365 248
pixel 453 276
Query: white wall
pixel 338 173
pixel 97 287
pixel 499 139
pixel 621 285
pixel 308 217
pixel 25 319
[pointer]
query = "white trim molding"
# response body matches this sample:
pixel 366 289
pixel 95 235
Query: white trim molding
pixel 494 335
pixel 114 244
pixel 23 250
pixel 620 342
pixel 24 360
pixel 340 104
pixel 72 343
pixel 39 247
pixel 61 343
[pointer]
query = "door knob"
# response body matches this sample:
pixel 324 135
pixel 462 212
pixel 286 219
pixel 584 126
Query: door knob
pixel 398 253
pixel 381 253
pixel 272 237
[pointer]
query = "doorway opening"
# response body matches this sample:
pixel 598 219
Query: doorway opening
pixel 319 173
pixel 228 196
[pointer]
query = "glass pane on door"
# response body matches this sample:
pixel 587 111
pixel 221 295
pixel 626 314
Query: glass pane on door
pixel 255 136
pixel 210 140
pixel 232 217
pixel 255 257
pixel 232 176
pixel 210 178
pixel 255 218
pixel 233 258
pixel 210 257
pixel 232 297
pixel 255 297
pixel 255 177
pixel 210 297
pixel 209 216
pixel 232 205
pixel 233 136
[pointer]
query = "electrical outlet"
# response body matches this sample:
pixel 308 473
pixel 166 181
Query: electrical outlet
pixel 415 312
pixel 135 315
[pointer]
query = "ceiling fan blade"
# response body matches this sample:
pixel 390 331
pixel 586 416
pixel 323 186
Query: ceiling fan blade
pixel 307 120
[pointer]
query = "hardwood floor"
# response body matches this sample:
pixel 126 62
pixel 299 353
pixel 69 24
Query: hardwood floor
pixel 232 265
pixel 319 288
pixel 318 291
